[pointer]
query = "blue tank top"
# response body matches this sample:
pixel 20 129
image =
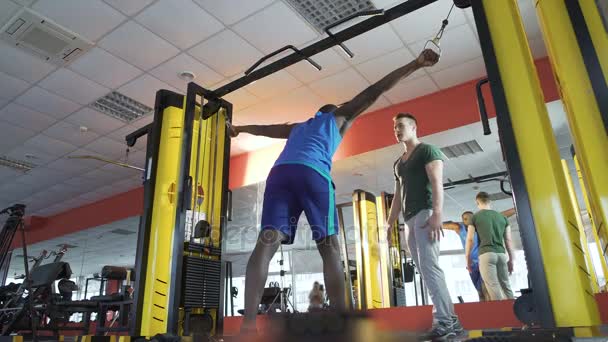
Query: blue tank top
pixel 313 143
pixel 463 238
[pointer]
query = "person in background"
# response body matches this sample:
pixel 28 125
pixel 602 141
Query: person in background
pixel 316 297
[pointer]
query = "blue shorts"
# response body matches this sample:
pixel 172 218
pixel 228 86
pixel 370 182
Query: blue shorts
pixel 476 277
pixel 292 189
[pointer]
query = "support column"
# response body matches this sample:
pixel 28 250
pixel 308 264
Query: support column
pixel 545 214
pixel 577 42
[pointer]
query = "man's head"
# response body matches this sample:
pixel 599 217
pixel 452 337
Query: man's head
pixel 483 200
pixel 328 108
pixel 467 217
pixel 405 126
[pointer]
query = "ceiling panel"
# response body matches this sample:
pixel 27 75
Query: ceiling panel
pixel 373 70
pixel 83 183
pixel 194 24
pixel 457 46
pixel 73 87
pixel 70 133
pixel 226 53
pixel 340 87
pixel 169 72
pixel 240 100
pixel 121 43
pixel 7 10
pixel 144 88
pixel 261 28
pixel 26 118
pixel 17 191
pixel 273 85
pixel 538 47
pixel 426 22
pixel 460 74
pixel 10 86
pixel 95 121
pixel 31 155
pixel 122 171
pixel 104 68
pixel 13 136
pixel 411 88
pixel 50 145
pixel 329 60
pixel 529 18
pixel 41 100
pixel 373 43
pixel 42 176
pixel 231 11
pixel 22 65
pixel 108 148
pixel 120 134
pixel 91 19
pixel 130 7
pixel 75 166
pixel 102 177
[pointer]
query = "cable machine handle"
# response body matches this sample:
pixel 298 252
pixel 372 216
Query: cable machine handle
pixel 481 104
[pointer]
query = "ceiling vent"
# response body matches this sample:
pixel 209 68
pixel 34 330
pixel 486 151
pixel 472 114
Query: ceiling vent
pixel 322 13
pixel 42 37
pixel 15 164
pixel 462 149
pixel 499 196
pixel 121 107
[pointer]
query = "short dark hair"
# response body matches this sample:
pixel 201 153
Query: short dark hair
pixel 467 212
pixel 483 197
pixel 328 108
pixel 407 116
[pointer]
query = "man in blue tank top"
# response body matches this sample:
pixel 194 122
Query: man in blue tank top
pixel 300 181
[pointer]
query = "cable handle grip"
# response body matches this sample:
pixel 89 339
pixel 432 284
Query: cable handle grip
pixel 481 105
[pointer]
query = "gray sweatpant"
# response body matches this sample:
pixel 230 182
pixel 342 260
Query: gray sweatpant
pixel 495 275
pixel 426 257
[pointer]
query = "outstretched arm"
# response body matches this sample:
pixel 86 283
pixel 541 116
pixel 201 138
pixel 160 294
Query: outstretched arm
pixel 508 212
pixel 449 225
pixel 280 131
pixel 348 112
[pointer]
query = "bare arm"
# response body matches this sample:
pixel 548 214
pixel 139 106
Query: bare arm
pixel 280 131
pixel 395 206
pixel 346 114
pixel 469 244
pixel 434 171
pixel 451 226
pixel 508 212
pixel 509 243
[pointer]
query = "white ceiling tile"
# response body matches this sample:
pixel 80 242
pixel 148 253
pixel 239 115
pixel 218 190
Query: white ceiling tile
pixel 275 84
pixel 10 86
pixel 538 47
pixel 122 171
pixel 457 46
pixel 20 64
pixel 120 134
pixel 31 155
pixel 296 106
pixel 42 176
pixel 373 70
pixel 26 118
pixel 144 88
pixel 13 136
pixel 181 22
pixel 127 184
pixel 374 43
pixel 275 27
pixel 7 10
pixel 169 72
pixel 410 89
pixel 17 191
pixel 231 11
pixel 129 7
pixel 241 99
pixel 45 102
pixel 426 22
pixel 460 74
pixel 74 166
pixel 121 43
pixel 530 19
pixel 108 148
pixel 104 68
pixel 340 87
pixel 70 133
pixel 73 87
pixel 143 121
pixel 95 121
pixel 91 19
pixel 103 177
pixel 330 63
pixel 50 145
pixel 226 53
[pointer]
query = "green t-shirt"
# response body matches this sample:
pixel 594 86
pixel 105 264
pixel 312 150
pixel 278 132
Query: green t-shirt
pixel 490 226
pixel 416 192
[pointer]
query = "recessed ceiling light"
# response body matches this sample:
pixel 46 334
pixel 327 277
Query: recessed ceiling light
pixel 121 107
pixel 84 129
pixel 187 76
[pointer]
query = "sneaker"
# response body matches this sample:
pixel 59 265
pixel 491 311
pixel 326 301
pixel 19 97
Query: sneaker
pixel 440 331
pixel 457 327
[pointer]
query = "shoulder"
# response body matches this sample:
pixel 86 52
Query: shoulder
pixel 431 152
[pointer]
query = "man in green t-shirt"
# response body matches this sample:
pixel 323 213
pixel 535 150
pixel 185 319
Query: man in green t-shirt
pixel 494 234
pixel 419 197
